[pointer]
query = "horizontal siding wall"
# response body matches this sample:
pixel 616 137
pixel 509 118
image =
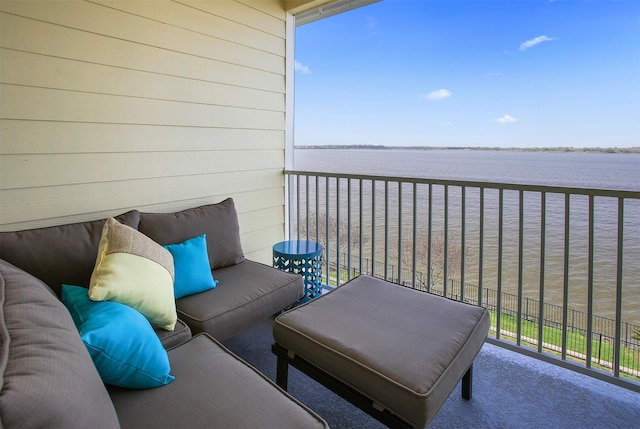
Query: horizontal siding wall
pixel 109 105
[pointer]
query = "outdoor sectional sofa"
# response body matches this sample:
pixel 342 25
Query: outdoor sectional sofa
pixel 61 346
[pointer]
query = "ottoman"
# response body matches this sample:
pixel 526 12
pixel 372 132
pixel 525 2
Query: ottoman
pixel 394 352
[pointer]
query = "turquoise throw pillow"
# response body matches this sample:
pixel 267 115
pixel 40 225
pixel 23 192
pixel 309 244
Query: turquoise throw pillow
pixel 191 266
pixel 124 348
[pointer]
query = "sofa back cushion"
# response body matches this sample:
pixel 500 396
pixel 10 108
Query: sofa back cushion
pixel 218 221
pixel 59 254
pixel 47 378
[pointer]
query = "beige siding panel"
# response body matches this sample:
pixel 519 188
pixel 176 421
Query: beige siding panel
pixel 27 69
pixel 43 137
pixel 258 245
pixel 263 255
pixel 76 217
pixel 210 24
pixel 274 9
pixel 245 201
pixel 27 35
pixel 58 105
pixel 26 171
pixel 21 205
pixel 261 219
pixel 261 228
pixel 97 19
pixel 259 199
pixel 257 234
pixel 106 106
pixel 242 200
pixel 251 13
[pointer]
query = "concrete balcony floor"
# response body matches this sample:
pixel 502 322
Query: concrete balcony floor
pixel 510 390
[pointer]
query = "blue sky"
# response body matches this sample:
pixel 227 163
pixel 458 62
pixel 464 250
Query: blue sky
pixel 471 73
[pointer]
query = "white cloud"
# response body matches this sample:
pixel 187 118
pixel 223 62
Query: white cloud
pixel 532 42
pixel 506 119
pixel 440 94
pixel 302 68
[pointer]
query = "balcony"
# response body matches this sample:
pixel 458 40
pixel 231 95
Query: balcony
pixel 527 253
pixel 510 390
pixel 555 266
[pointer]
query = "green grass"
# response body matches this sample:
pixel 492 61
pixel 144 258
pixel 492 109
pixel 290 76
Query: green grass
pixel 576 342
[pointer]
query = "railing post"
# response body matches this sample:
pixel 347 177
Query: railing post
pixel 500 251
pixel 430 242
pixel 445 264
pixel 618 327
pixel 543 232
pixel 565 293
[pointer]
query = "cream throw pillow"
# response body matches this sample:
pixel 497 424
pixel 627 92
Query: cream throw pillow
pixel 136 271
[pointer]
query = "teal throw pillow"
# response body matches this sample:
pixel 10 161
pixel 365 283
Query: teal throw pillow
pixel 124 348
pixel 191 266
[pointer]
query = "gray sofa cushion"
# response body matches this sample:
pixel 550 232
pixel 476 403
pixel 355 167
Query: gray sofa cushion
pixel 59 254
pixel 169 339
pixel 236 303
pixel 218 221
pixel 238 395
pixel 47 376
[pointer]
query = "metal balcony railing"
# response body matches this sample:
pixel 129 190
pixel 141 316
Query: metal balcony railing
pixel 559 268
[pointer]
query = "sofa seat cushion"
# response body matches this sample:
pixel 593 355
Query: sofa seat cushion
pixel 169 339
pixel 235 395
pixel 59 254
pixel 47 378
pixel 218 221
pixel 246 293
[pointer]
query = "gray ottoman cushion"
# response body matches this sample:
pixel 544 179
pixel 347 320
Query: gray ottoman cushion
pixel 236 303
pixel 239 395
pixel 404 349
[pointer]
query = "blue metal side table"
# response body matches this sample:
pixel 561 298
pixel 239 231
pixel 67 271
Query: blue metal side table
pixel 302 257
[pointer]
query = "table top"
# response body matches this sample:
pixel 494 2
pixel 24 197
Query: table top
pixel 298 247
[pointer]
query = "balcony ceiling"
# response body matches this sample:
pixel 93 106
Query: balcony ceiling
pixel 312 10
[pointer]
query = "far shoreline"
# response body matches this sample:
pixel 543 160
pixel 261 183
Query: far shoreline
pixel 635 149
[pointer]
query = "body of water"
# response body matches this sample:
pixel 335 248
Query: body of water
pixel 572 169
pixel 565 169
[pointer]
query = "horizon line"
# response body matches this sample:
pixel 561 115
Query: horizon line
pixel 613 149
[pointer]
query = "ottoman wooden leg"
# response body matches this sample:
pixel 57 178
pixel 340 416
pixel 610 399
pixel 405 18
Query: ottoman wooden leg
pixel 282 373
pixel 282 366
pixel 467 383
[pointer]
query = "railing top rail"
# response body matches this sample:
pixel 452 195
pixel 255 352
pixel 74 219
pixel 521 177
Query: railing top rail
pixel 476 184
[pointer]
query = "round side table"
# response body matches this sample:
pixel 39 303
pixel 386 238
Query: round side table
pixel 301 257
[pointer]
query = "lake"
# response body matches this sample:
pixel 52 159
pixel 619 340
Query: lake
pixel 610 171
pixel 572 169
